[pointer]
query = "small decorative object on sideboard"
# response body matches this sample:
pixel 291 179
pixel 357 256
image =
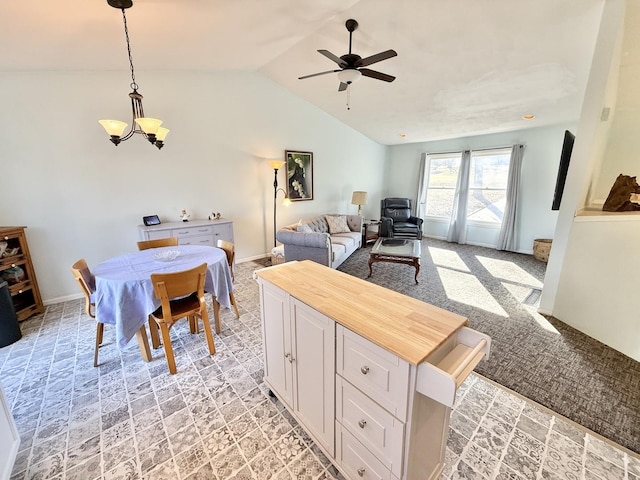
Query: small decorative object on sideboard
pixel 17 270
pixel 184 216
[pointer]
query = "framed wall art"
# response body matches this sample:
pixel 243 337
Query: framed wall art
pixel 299 175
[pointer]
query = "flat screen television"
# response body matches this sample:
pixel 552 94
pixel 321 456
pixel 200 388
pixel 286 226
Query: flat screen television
pixel 565 156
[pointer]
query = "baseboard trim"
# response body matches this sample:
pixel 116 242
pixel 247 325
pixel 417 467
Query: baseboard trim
pixel 66 298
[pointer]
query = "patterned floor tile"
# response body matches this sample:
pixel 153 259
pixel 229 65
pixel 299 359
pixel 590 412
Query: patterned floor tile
pixel 214 419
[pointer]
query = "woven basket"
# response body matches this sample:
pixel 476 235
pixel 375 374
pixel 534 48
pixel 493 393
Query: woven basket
pixel 541 249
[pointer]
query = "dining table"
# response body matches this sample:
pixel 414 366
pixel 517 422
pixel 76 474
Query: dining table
pixel 124 292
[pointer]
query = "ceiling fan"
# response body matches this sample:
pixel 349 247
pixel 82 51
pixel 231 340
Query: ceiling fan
pixel 352 65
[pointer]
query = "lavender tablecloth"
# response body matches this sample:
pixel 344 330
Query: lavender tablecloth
pixel 124 293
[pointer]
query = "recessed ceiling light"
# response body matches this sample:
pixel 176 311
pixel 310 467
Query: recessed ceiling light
pixel 529 116
pixel 402 135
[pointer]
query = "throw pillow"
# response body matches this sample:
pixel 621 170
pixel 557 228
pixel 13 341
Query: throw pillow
pixel 304 228
pixel 337 223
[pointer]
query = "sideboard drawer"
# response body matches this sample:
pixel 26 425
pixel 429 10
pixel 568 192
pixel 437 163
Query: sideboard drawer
pixel 371 424
pixel 193 231
pixel 356 460
pixel 378 373
pixel 190 240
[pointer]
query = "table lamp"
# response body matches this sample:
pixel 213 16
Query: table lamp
pixel 359 198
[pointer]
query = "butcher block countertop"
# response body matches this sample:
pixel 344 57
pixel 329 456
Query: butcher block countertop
pixel 409 328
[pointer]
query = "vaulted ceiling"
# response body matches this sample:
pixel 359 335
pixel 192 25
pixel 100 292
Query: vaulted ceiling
pixel 464 67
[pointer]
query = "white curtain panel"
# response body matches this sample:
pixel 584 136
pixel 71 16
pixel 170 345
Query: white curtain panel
pixel 419 206
pixel 458 223
pixel 507 237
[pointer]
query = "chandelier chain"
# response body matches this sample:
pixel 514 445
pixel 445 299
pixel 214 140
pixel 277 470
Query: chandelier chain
pixel 134 85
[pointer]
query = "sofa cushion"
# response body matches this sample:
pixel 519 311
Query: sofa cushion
pixel 337 224
pixel 346 239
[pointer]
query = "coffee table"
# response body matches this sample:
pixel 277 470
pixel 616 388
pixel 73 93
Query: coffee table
pixel 396 250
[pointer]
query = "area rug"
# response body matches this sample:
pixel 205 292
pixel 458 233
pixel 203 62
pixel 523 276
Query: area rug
pixel 539 357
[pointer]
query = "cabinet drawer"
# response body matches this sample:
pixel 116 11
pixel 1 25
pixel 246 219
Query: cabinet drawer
pixel 193 231
pixel 356 460
pixel 446 368
pixel 223 232
pixel 379 374
pixel 204 240
pixel 371 424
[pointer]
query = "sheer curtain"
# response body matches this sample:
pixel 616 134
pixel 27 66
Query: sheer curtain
pixel 419 206
pixel 507 237
pixel 458 223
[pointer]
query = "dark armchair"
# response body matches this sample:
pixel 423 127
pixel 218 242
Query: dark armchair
pixel 396 219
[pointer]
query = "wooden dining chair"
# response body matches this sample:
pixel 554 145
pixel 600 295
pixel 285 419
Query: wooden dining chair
pixel 181 295
pixel 87 284
pixel 160 242
pixel 230 252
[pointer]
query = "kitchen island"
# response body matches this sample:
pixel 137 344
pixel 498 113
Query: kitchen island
pixel 369 373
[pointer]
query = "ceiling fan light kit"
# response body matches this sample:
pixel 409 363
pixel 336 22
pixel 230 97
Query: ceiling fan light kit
pixel 352 65
pixel 148 127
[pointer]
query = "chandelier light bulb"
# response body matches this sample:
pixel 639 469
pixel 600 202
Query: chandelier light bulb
pixel 115 128
pixel 149 125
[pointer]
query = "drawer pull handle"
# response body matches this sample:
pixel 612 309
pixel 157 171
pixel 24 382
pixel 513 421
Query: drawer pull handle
pixel 13 265
pixel 364 369
pixel 19 291
pixel 289 357
pixel 361 471
pixel 362 423
pixel 6 238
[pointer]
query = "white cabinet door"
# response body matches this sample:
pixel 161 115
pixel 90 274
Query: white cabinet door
pixel 9 439
pixel 276 339
pixel 313 365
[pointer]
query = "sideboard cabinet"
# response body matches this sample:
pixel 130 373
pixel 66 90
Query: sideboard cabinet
pixel 197 232
pixel 17 270
pixel 382 367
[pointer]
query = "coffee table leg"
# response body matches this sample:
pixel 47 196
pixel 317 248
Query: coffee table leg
pixel 370 263
pixel 416 263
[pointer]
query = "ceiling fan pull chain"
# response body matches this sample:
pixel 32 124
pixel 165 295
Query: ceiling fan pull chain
pixel 348 97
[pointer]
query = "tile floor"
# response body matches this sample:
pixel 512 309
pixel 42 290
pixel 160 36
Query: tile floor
pixel 128 419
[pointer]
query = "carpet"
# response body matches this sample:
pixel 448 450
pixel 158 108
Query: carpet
pixel 539 357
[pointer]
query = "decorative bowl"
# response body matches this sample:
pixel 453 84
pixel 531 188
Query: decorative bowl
pixel 3 247
pixel 166 255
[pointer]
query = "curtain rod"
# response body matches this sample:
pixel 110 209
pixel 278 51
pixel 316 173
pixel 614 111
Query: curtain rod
pixel 473 150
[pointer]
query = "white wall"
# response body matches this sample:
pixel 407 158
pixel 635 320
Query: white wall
pixel 535 218
pixel 80 196
pixel 592 270
pixel 598 291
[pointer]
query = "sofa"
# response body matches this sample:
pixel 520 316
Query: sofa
pixel 326 239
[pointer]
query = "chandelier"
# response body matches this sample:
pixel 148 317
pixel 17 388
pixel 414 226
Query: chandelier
pixel 149 127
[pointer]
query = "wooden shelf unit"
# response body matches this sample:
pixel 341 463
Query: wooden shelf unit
pixel 25 293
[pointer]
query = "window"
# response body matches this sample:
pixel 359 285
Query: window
pixel 441 185
pixel 488 174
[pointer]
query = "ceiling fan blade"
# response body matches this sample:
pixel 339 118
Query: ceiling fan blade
pixel 378 57
pixel 377 75
pixel 333 57
pixel 317 74
pixel 342 87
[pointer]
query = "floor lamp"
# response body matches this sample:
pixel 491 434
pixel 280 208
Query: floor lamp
pixel 276 164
